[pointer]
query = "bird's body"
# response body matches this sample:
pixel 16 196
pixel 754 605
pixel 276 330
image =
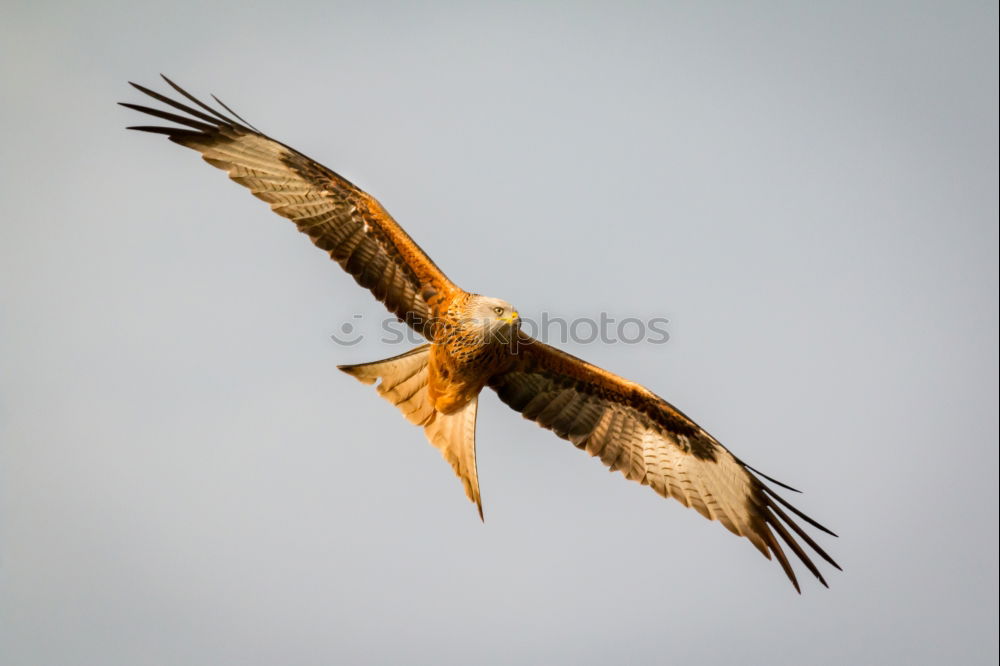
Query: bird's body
pixel 474 342
pixel 469 347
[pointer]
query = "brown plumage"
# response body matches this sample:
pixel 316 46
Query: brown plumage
pixel 474 342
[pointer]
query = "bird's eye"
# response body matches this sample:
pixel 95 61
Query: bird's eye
pixel 498 310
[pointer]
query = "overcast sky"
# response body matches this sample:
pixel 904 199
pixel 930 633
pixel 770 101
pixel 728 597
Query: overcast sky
pixel 807 193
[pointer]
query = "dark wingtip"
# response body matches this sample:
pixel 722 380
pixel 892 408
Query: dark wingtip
pixel 769 478
pixel 796 511
pixel 194 100
pixel 171 117
pixel 237 116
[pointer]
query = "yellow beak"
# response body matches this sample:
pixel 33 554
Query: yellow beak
pixel 510 317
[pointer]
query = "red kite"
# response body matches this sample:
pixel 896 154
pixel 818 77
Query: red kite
pixel 475 342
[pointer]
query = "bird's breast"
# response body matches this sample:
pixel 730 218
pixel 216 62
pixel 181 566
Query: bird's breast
pixel 460 365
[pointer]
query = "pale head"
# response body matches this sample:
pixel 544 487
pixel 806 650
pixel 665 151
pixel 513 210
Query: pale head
pixel 492 316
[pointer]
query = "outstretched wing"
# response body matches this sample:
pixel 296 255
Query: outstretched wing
pixel 339 218
pixel 648 440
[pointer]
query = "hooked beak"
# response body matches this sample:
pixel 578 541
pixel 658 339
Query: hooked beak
pixel 510 318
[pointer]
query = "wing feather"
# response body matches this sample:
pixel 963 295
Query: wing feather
pixel 336 215
pixel 637 433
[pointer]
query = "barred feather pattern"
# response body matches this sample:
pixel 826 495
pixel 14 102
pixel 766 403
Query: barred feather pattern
pixel 338 217
pixel 626 426
pixel 635 432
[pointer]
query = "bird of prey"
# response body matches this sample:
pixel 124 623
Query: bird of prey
pixel 475 341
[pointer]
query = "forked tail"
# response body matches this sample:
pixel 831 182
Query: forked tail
pixel 403 382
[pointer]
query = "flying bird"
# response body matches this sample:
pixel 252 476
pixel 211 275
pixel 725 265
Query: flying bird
pixel 475 342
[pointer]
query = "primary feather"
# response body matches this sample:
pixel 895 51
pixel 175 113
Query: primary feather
pixel 475 342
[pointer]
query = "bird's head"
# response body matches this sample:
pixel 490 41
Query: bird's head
pixel 492 316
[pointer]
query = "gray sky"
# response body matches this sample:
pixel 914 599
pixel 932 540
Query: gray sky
pixel 807 193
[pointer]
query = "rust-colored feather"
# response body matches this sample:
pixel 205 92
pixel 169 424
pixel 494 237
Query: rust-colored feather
pixel 338 216
pixel 436 386
pixel 639 434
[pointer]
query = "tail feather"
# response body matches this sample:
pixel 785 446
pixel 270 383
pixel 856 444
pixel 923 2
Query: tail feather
pixel 402 380
pixel 454 435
